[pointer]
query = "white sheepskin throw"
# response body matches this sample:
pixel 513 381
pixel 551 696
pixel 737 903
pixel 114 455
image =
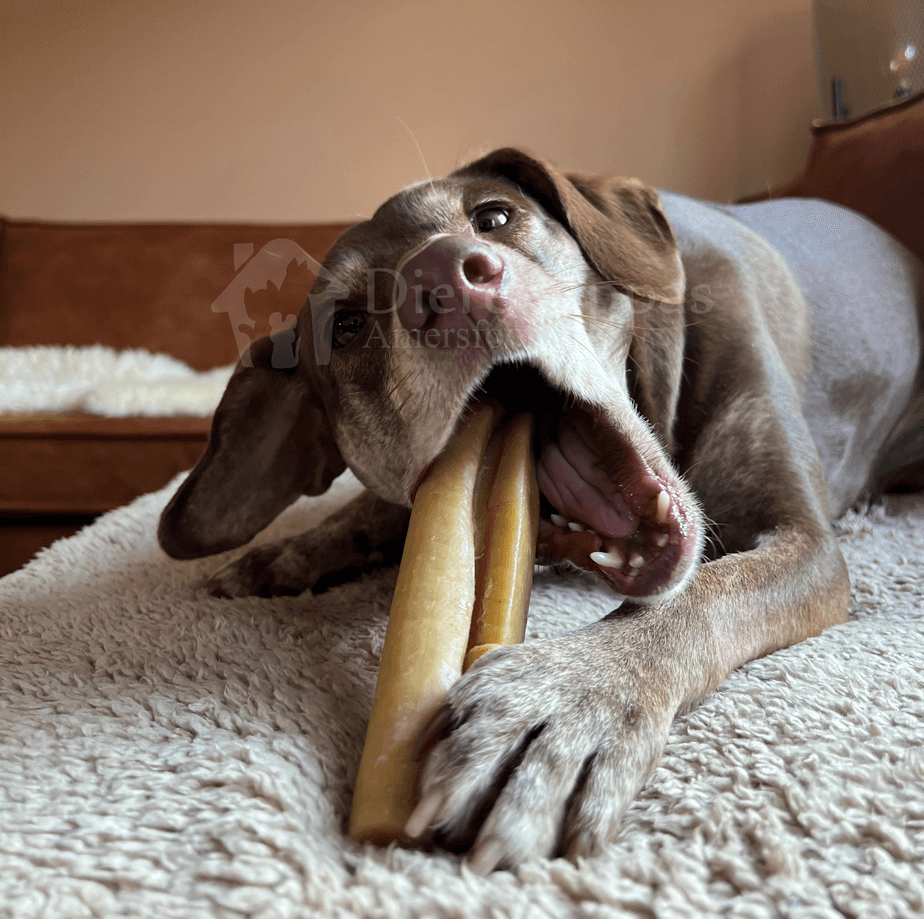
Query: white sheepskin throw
pixel 166 754
pixel 100 381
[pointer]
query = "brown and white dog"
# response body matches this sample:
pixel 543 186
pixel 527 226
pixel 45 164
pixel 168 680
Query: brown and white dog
pixel 749 371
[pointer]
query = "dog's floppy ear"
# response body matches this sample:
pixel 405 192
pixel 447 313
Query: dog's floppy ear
pixel 624 234
pixel 270 443
pixel 618 222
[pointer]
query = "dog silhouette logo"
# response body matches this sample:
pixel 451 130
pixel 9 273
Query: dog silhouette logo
pixel 256 272
pixel 285 341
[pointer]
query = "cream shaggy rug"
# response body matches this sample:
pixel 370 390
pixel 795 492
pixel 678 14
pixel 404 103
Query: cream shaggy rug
pixel 101 381
pixel 165 754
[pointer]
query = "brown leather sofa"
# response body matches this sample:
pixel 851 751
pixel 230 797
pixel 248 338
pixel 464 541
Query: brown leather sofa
pixel 874 165
pixel 127 286
pixel 152 286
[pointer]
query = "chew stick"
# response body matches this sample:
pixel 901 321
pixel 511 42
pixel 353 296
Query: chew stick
pixel 427 635
pixel 509 544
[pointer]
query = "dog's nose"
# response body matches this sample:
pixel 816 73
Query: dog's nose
pixel 449 284
pixel 482 267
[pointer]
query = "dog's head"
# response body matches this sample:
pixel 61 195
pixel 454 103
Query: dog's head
pixel 554 293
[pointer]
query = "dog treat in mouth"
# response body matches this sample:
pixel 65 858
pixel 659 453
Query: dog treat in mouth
pixel 463 589
pixel 508 544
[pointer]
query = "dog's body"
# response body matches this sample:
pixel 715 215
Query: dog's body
pixel 755 369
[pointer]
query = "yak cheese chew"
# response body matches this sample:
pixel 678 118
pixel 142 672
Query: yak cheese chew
pixel 427 635
pixel 511 525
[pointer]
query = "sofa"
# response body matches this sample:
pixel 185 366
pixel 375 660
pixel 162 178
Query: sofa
pixel 127 286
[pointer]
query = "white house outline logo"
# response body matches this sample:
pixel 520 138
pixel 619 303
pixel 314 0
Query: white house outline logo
pixel 271 264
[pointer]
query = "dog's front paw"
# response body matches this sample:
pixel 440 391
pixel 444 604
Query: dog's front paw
pixel 543 746
pixel 272 570
pixel 291 566
pixel 364 534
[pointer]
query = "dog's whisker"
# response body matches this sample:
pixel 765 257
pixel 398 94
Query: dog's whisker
pixel 712 532
pixel 617 324
pixel 423 159
pixel 585 284
pixel 398 384
pixel 637 330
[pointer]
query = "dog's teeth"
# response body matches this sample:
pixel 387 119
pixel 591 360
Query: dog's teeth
pixel 610 559
pixel 559 521
pixel 576 527
pixel 636 561
pixel 664 505
pixel 661 540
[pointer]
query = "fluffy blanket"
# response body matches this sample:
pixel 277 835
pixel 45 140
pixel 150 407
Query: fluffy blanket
pixel 166 754
pixel 101 381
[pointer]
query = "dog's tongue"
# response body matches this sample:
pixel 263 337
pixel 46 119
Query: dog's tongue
pixel 573 477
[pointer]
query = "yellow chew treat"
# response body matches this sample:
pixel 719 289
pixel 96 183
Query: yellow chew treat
pixel 427 633
pixel 511 524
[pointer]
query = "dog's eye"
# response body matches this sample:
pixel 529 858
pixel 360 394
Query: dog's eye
pixel 490 218
pixel 347 325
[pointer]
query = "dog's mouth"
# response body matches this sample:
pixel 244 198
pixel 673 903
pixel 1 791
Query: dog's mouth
pixel 602 506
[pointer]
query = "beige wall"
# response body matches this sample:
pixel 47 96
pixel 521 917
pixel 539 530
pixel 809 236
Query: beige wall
pixel 288 111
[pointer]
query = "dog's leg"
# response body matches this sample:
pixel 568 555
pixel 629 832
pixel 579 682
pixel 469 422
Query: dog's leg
pixel 366 531
pixel 555 738
pixel 542 746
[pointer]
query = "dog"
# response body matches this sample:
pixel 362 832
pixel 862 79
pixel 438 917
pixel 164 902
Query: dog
pixel 712 386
